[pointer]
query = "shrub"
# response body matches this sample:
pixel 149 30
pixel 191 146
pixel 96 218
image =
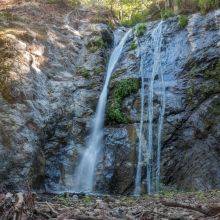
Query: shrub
pixel 140 29
pixel 207 5
pixel 96 44
pixel 166 13
pixel 133 45
pixel 136 18
pixel 121 90
pixel 183 21
pixel 99 70
pixel 83 72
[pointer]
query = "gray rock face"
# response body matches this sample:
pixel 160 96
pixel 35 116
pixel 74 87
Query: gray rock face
pixel 45 124
pixel 190 65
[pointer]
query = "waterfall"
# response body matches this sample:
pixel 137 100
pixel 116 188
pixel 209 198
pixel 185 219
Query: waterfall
pixel 156 70
pixel 137 189
pixel 157 41
pixel 85 172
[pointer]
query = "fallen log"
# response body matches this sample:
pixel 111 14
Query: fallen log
pixel 211 210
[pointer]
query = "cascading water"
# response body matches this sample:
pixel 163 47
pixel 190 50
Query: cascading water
pixel 137 189
pixel 157 41
pixel 160 128
pixel 156 70
pixel 85 172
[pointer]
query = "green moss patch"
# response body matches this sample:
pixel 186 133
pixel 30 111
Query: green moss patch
pixel 121 90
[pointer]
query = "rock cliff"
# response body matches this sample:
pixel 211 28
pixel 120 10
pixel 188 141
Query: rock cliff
pixel 53 63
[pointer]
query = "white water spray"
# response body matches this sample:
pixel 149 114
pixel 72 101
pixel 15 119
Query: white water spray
pixel 85 172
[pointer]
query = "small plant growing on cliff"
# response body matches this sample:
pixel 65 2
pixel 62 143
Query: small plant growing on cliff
pixel 133 45
pixel 121 90
pixel 83 72
pixel 207 5
pixel 96 44
pixel 99 70
pixel 183 21
pixel 166 13
pixel 135 18
pixel 140 29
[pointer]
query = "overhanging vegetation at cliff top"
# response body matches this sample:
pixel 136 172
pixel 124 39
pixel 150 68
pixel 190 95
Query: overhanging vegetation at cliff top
pixel 131 12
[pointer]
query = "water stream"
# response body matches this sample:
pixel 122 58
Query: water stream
pixel 153 179
pixel 85 172
pixel 157 41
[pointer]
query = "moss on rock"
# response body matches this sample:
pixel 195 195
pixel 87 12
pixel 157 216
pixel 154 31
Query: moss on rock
pixel 121 90
pixel 208 86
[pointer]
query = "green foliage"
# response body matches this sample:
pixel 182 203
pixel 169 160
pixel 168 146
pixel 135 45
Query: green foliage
pixel 166 13
pixel 183 21
pixel 83 72
pixel 140 29
pixel 87 200
pixel 96 44
pixel 73 3
pixel 190 92
pixel 7 54
pixel 133 45
pixel 209 86
pixel 207 5
pixel 99 70
pixel 214 73
pixel 7 16
pixel 63 199
pixel 52 1
pixel 121 90
pixel 138 17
